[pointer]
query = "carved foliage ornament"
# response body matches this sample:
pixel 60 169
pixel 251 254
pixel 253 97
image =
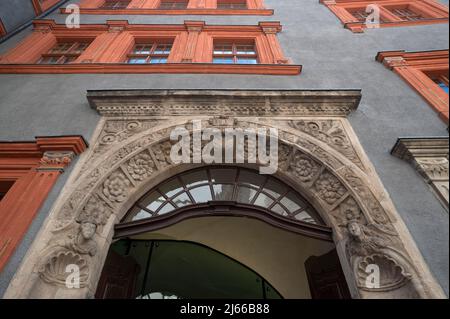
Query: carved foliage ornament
pixel 110 184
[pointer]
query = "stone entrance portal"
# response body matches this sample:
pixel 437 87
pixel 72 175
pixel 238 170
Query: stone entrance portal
pixel 319 156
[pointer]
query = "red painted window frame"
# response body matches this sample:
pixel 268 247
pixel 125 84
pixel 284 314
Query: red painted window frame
pixel 434 11
pixel 34 175
pixel 39 7
pixel 414 68
pixel 150 7
pixel 191 52
pixel 2 29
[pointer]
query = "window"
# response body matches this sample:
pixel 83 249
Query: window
pixel 234 53
pixel 406 14
pixel 232 4
pixel 361 14
pixel 223 184
pixel 393 13
pixel 64 53
pixel 28 172
pixel 115 4
pixel 152 52
pixel 5 186
pixel 173 4
pixel 426 72
pixel 150 48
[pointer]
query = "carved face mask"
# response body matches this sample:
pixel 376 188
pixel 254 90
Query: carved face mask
pixel 354 229
pixel 88 230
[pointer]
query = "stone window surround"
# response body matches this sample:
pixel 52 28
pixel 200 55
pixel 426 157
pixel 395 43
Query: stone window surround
pixel 149 7
pixel 412 67
pixel 429 156
pixel 34 168
pixel 432 9
pixel 191 52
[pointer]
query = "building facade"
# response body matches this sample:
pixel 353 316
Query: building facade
pixel 354 92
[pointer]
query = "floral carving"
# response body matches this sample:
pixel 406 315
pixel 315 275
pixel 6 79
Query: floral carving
pixel 115 188
pixel 304 168
pixel 330 132
pixel 284 156
pixel 141 166
pixel 329 188
pixel 93 212
pixel 162 153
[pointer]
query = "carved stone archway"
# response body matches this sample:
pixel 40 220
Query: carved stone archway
pixel 319 154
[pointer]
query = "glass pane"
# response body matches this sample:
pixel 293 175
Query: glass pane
pixel 263 200
pixel 61 47
pixel 69 59
pixel 223 49
pixel 163 49
pixel 274 189
pixel 166 209
pixel 246 61
pixel 444 87
pixel 245 49
pixel 251 178
pixel 223 60
pixel 223 192
pixel 158 60
pixel 171 188
pixel 279 210
pixel 142 214
pixel 182 200
pixel 195 178
pixel 201 194
pixel 153 201
pixel 291 202
pixel 137 61
pixel 223 175
pixel 143 49
pixel 305 217
pixel 190 271
pixel 49 60
pixel 245 194
pixel 137 213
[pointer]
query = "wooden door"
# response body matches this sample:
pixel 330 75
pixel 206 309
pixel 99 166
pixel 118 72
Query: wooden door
pixel 326 278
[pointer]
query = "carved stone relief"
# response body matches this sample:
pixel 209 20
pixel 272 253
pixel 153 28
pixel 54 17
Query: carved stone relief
pixel 429 156
pixel 316 155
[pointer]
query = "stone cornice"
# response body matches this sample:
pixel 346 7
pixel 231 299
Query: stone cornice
pixel 226 102
pixel 409 148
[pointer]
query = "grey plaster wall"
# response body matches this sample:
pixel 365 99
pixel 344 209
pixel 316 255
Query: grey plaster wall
pixel 14 13
pixel 332 58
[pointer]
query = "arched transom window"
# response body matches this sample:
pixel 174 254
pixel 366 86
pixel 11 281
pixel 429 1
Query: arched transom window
pixel 236 185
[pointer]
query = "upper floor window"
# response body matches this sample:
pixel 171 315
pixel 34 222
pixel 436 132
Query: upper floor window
pixel 63 53
pixel 392 13
pixel 406 13
pixel 173 4
pixel 151 52
pixel 116 4
pixel 234 53
pixel 150 48
pixel 232 4
pixel 426 72
pixel 361 14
